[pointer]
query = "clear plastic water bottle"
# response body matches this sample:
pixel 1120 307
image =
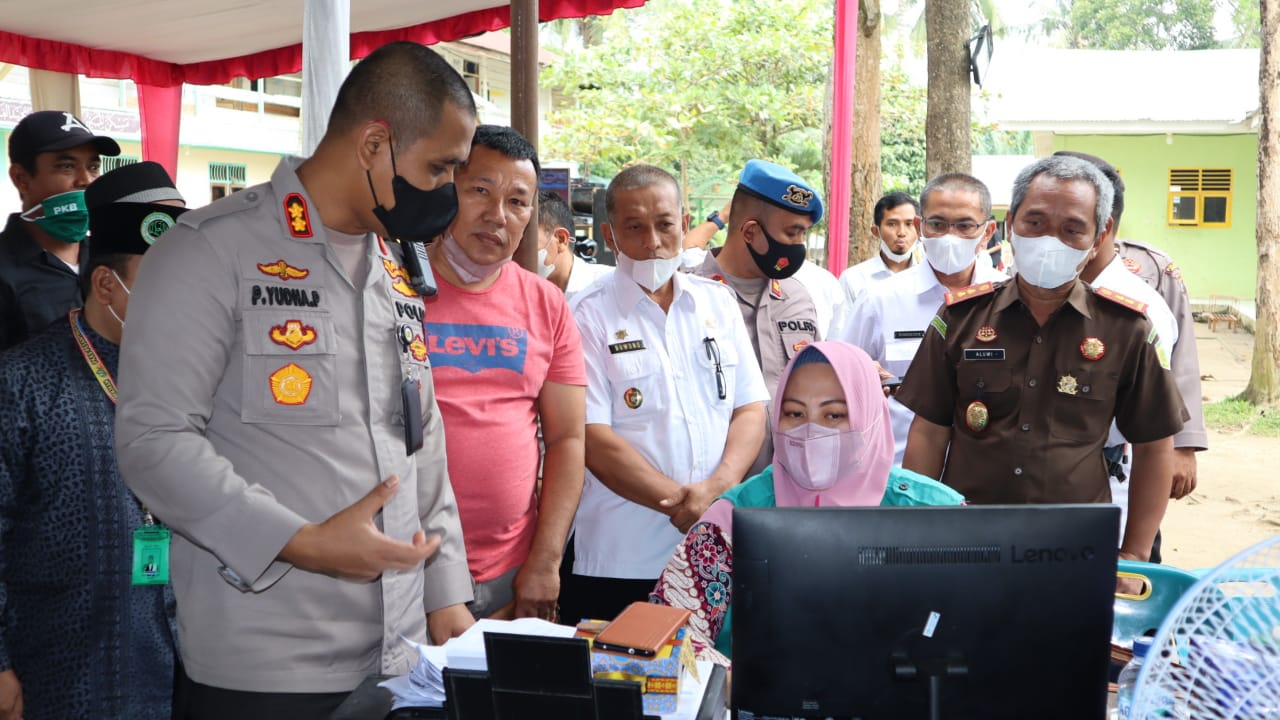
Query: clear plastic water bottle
pixel 1128 680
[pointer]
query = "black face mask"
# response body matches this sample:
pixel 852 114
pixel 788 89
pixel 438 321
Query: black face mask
pixel 419 215
pixel 782 261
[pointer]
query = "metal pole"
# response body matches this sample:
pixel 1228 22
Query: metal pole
pixel 524 102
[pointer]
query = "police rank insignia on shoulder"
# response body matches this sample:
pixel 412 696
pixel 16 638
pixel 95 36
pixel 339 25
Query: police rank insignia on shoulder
pixel 1132 265
pixel 1121 300
pixel 775 289
pixel 969 293
pixel 296 216
pixel 283 270
pixel 628 346
pixel 399 278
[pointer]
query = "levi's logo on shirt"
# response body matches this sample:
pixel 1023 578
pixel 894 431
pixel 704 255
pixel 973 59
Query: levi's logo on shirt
pixel 477 347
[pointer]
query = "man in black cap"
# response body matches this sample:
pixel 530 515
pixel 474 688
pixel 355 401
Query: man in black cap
pixel 88 610
pixel 52 158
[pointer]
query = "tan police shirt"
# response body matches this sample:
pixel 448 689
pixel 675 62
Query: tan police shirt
pixel 261 390
pixel 1160 272
pixel 1030 406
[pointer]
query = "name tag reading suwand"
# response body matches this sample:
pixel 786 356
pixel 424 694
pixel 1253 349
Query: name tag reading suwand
pixel 984 354
pixel 629 346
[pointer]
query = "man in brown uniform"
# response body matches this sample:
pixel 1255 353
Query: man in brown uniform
pixel 1022 379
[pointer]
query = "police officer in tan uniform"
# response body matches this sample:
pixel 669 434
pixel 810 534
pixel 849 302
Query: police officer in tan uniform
pixel 1016 384
pixel 772 211
pixel 277 409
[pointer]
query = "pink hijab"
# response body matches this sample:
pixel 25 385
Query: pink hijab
pixel 865 398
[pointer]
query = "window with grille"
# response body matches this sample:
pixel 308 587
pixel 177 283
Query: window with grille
pixel 226 178
pixel 111 163
pixel 1200 197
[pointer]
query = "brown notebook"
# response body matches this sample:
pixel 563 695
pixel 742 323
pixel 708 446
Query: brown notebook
pixel 642 629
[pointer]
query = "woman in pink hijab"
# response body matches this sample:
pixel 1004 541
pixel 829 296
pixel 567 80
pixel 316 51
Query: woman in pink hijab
pixel 832 447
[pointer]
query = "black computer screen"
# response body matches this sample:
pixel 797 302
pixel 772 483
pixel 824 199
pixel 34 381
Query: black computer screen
pixel 997 612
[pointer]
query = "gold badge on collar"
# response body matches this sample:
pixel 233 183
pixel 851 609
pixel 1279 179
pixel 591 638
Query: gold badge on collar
pixel 986 333
pixel 283 270
pixel 1092 348
pixel 1067 385
pixel 621 335
pixel 293 334
pixel 296 216
pixel 775 289
pixel 976 416
pixel 798 196
pixel 633 398
pixel 399 278
pixel 1132 265
pixel 290 385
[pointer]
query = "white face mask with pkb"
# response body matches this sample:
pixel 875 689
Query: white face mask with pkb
pixel 1046 261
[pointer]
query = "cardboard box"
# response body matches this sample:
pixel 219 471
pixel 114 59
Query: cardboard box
pixel 659 676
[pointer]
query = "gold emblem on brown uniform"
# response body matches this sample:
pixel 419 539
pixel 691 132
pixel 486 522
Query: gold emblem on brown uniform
pixel 633 398
pixel 986 333
pixel 976 416
pixel 1067 385
pixel 1092 348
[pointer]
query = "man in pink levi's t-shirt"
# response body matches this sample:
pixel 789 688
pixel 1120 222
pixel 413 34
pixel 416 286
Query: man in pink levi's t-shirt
pixel 505 353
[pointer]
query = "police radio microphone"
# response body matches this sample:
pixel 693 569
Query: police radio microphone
pixel 419 267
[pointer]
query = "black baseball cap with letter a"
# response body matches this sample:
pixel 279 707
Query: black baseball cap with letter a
pixel 50 131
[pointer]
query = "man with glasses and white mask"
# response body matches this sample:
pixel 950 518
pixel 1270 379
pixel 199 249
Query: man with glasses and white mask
pixel 1016 385
pixel 891 317
pixel 675 400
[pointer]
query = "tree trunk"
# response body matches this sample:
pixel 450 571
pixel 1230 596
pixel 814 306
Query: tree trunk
pixel 947 124
pixel 1264 382
pixel 865 183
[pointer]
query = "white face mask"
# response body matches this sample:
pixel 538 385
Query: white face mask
pixel 816 456
pixel 544 270
pixel 1046 261
pixel 950 253
pixel 127 293
pixel 896 257
pixel 469 270
pixel 649 274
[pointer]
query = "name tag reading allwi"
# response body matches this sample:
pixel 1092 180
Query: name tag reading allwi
pixel 629 346
pixel 984 354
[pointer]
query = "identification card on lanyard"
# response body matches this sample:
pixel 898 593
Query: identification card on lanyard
pixel 151 555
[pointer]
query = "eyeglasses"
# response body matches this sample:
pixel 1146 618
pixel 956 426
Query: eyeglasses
pixel 964 228
pixel 713 354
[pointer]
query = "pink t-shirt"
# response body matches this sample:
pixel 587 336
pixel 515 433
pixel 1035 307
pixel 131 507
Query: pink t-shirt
pixel 491 351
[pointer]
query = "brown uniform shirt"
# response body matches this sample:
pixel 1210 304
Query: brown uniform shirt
pixel 1160 272
pixel 1049 393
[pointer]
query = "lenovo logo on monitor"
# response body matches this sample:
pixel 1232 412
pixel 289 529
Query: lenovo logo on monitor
pixel 1057 554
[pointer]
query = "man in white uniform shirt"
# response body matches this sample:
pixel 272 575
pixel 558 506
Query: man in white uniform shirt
pixel 557 261
pixel 889 320
pixel 895 227
pixel 675 400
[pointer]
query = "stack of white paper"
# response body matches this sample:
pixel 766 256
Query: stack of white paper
pixel 424 685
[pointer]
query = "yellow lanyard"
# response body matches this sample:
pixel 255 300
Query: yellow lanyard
pixel 96 366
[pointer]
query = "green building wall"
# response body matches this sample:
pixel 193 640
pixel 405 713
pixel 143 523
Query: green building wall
pixel 1214 261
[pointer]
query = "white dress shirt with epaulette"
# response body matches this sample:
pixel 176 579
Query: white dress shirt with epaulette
pixel 650 378
pixel 260 389
pixel 889 321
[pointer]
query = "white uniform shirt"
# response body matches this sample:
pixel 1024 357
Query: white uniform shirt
pixel 826 291
pixel 650 378
pixel 856 280
pixel 889 322
pixel 1115 276
pixel 582 274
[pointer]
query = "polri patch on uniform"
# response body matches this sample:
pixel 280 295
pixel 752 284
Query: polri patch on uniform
pixel 290 385
pixel 293 334
pixel 296 216
pixel 986 333
pixel 984 353
pixel 1092 348
pixel 628 346
pixel 283 270
pixel 908 334
pixel 976 416
pixel 633 398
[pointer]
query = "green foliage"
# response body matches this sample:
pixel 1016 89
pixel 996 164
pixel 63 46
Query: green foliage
pixel 902 112
pixel 707 83
pixel 1239 415
pixel 1246 20
pixel 1131 24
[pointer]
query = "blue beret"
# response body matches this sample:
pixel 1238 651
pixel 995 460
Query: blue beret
pixel 779 186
